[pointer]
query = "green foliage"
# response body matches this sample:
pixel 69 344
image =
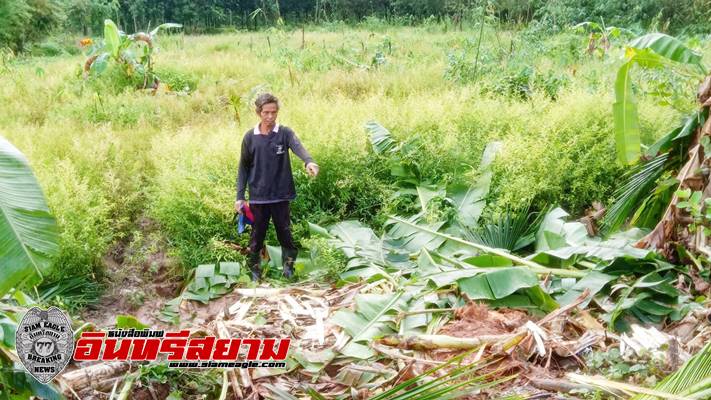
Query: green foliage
pixel 106 159
pixel 177 81
pixel 131 63
pixel 460 380
pixel 511 230
pixel 71 294
pixel 129 322
pixel 182 381
pixel 699 211
pixel 638 183
pixel 650 298
pixel 600 36
pixel 56 45
pixel 684 15
pixel 25 21
pixel 209 281
pixel 642 287
pixel 691 379
pixel 654 50
pixel 327 261
pixel 647 186
pixel 512 74
pixel 28 232
pixel 374 316
pixel 611 364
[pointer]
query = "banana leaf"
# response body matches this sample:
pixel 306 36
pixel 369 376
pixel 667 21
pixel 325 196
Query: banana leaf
pixel 649 51
pixel 112 38
pixel 626 117
pixel 668 47
pixel 28 232
pixel 554 232
pixel 469 200
pixel 374 316
pixel 381 139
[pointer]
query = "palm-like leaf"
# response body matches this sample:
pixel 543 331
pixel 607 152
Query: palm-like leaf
pixel 28 233
pixel 512 230
pixel 460 380
pixel 638 183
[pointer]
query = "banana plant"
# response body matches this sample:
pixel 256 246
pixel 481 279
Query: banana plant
pixel 28 232
pixel 600 35
pixel 676 162
pixel 465 202
pixel 654 50
pixel 126 52
pixel 28 242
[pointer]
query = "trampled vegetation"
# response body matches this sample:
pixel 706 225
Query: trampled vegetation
pixel 548 180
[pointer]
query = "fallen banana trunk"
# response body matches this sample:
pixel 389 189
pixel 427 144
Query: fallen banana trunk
pixel 502 342
pixel 223 333
pixel 432 342
pixel 93 377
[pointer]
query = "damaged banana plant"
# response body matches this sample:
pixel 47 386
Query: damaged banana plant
pixel 418 257
pixel 667 187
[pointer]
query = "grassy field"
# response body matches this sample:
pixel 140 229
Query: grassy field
pixel 108 158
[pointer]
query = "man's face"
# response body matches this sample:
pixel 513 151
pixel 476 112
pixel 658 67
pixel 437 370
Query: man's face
pixel 269 113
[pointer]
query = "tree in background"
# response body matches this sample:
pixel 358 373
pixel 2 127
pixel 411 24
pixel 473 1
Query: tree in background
pixel 25 21
pixel 87 16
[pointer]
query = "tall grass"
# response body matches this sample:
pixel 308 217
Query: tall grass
pixel 106 158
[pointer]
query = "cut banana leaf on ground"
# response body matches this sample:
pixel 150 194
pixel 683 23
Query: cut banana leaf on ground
pixel 594 282
pixel 414 239
pixel 562 243
pixel 555 232
pixel 374 316
pixel 497 284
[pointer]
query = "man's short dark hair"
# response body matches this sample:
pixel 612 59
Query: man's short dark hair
pixel 265 98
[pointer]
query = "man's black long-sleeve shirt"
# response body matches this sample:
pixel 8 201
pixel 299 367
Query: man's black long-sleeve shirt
pixel 265 167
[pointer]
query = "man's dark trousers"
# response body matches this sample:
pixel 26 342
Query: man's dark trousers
pixel 279 213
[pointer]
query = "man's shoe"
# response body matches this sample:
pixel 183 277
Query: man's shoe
pixel 289 268
pixel 256 273
pixel 288 271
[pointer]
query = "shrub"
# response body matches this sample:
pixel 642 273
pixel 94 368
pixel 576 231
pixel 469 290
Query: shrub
pixel 177 81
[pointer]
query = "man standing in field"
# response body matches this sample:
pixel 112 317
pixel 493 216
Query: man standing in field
pixel 265 167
